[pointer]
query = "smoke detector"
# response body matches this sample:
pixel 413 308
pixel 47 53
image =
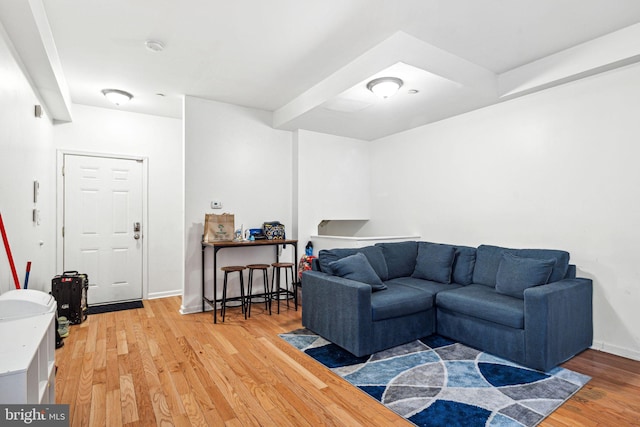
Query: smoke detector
pixel 154 46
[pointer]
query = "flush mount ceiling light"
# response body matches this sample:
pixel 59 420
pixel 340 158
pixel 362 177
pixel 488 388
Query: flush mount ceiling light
pixel 385 87
pixel 116 96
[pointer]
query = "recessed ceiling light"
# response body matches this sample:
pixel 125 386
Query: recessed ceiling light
pixel 160 94
pixel 154 45
pixel 117 96
pixel 385 87
pixel 412 91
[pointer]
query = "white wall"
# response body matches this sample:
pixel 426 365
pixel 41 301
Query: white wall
pixel 232 154
pixel 26 151
pixel 333 178
pixel 159 139
pixel 556 169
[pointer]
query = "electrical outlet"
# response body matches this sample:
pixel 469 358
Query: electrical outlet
pixel 216 204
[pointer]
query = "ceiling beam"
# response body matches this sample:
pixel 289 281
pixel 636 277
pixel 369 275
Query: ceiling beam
pixel 604 53
pixel 28 34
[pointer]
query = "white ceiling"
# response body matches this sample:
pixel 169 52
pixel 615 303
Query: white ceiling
pixel 302 58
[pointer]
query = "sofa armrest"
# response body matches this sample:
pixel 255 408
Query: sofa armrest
pixel 338 309
pixel 558 321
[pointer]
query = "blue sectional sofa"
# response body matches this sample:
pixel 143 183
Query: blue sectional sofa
pixel 525 305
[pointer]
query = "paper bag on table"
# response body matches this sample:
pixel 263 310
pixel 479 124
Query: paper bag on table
pixel 218 227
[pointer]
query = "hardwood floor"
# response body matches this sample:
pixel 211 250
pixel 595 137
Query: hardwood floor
pixel 153 366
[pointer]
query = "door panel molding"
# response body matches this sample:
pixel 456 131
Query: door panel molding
pixel 59 240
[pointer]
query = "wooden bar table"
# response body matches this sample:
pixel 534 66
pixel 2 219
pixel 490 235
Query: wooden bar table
pixel 223 244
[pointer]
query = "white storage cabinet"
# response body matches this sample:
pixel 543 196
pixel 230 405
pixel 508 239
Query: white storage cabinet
pixel 27 353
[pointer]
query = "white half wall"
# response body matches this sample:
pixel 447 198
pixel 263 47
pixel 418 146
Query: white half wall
pixel 333 179
pixel 26 154
pixel 556 169
pixel 232 155
pixel 159 140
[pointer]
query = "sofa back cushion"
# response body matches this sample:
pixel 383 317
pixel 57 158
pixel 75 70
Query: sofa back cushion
pixel 400 257
pixel 488 260
pixel 463 265
pixel 374 255
pixel 434 262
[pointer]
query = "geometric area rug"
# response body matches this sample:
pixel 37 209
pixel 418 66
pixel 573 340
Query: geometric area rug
pixel 434 381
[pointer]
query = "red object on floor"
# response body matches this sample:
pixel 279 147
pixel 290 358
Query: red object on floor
pixel 8 249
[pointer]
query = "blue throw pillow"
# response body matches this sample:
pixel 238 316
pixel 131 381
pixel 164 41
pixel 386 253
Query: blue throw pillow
pixel 434 262
pixel 515 274
pixel 357 267
pixel 374 255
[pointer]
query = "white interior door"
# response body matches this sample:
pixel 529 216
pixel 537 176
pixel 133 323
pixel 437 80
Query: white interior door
pixel 102 206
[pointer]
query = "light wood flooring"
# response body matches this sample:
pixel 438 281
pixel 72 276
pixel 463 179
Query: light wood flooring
pixel 153 366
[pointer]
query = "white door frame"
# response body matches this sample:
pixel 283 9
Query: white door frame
pixel 145 211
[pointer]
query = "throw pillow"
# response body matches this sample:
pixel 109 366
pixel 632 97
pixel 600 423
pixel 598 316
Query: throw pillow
pixel 515 274
pixel 374 255
pixel 357 267
pixel 434 262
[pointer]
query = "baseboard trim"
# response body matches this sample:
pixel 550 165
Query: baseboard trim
pixel 616 350
pixel 165 294
pixel 194 309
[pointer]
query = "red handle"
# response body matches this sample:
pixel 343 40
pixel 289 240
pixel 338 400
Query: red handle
pixel 8 249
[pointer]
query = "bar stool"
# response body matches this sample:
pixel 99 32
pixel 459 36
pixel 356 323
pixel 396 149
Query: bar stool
pixel 275 277
pixel 265 282
pixel 227 270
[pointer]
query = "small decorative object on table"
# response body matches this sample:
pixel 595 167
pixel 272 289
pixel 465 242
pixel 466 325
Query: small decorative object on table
pixel 274 230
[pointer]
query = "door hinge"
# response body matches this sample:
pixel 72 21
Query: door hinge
pixel 62 231
pixel 62 170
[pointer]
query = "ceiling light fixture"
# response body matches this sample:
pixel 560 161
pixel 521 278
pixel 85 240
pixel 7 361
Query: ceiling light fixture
pixel 117 96
pixel 385 87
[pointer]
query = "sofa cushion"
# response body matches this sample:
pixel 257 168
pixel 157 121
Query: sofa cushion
pixel 424 285
pixel 400 257
pixel 373 253
pixel 434 262
pixel 356 267
pixel 488 260
pixel 485 303
pixel 515 274
pixel 399 300
pixel 463 265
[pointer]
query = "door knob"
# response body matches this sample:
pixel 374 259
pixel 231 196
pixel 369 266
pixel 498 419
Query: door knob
pixel 136 236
